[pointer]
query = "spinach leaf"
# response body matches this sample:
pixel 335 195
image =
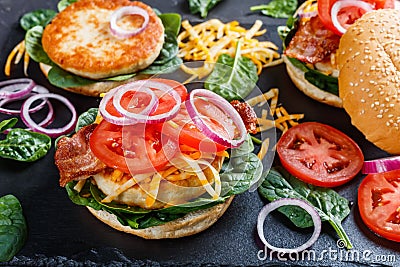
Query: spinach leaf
pixel 120 78
pixel 64 79
pixel 202 6
pixel 40 17
pixel 169 50
pixel 33 45
pixel 331 207
pixel 13 228
pixel 277 8
pixel 232 78
pixel 64 3
pixel 82 198
pixel 171 22
pixel 86 118
pixel 24 145
pixel 322 81
pixel 7 124
pixel 168 67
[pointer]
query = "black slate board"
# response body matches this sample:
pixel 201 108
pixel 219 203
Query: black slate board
pixel 61 233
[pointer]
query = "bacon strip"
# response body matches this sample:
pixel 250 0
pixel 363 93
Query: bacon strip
pixel 74 159
pixel 312 42
pixel 247 114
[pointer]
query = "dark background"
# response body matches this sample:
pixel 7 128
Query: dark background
pixel 63 233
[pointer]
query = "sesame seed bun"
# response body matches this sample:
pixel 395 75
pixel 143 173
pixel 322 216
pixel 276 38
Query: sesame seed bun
pixel 79 40
pixel 369 79
pixel 190 224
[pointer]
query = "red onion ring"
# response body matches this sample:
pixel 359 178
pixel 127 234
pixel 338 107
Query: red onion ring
pixel 337 6
pixel 284 202
pixel 224 105
pixel 25 116
pixel 16 88
pixel 124 11
pixel 381 165
pixel 38 89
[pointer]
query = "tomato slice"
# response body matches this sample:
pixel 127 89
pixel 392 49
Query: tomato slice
pixel 319 154
pixel 131 149
pixel 379 203
pixel 166 101
pixel 348 15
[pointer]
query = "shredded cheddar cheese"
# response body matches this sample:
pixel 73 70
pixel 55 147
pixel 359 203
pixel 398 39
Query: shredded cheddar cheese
pixel 122 188
pixel 208 40
pixel 17 53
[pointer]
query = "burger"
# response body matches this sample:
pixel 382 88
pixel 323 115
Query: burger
pixel 310 47
pixel 153 161
pixel 92 46
pixel 369 80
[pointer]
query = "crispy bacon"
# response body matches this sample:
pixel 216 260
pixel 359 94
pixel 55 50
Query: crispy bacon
pixel 312 42
pixel 247 114
pixel 74 159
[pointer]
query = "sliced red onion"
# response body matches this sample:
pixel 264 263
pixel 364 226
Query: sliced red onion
pixel 381 165
pixel 125 11
pixel 38 89
pixel 224 105
pixel 293 202
pixel 56 132
pixel 16 88
pixel 338 5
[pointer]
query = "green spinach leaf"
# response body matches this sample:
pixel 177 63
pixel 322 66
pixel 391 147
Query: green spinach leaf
pixel 64 3
pixel 202 6
pixel 171 22
pixel 13 228
pixel 24 145
pixel 40 17
pixel 33 45
pixel 277 8
pixel 322 81
pixel 120 78
pixel 7 124
pixel 64 79
pixel 232 78
pixel 86 118
pixel 168 67
pixel 82 198
pixel 331 207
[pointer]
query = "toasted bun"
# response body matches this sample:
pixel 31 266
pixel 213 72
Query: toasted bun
pixel 369 79
pixel 79 39
pixel 297 76
pixel 192 223
pixel 94 89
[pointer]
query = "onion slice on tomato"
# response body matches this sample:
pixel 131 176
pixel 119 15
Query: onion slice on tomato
pixel 223 105
pixel 16 88
pixel 119 32
pixel 293 202
pixel 381 165
pixel 339 5
pixel 56 132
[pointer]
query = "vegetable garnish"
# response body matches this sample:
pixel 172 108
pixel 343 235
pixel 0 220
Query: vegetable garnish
pixel 331 207
pixel 294 202
pixel 202 6
pixel 54 132
pixel 13 228
pixel 319 154
pixel 129 104
pixel 277 8
pixel 381 165
pixel 216 133
pixel 36 90
pixel 16 88
pixel 119 31
pixel 379 203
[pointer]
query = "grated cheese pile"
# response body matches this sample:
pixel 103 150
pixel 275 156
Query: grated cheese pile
pixel 208 40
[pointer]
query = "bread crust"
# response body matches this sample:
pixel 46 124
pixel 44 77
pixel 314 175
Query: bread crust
pixel 297 76
pixel 369 79
pixel 79 40
pixel 190 224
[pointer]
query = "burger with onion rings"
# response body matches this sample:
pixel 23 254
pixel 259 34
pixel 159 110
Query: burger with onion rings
pixel 156 162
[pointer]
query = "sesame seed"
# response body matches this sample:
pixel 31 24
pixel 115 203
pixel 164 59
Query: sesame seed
pixel 379 116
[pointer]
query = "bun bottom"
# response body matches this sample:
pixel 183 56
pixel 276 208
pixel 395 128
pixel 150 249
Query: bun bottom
pixel 297 76
pixel 190 224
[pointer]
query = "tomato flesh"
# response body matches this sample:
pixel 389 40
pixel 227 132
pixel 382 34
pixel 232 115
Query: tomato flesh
pixel 379 203
pixel 319 154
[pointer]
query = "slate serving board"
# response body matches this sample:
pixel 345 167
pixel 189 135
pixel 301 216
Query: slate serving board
pixel 61 233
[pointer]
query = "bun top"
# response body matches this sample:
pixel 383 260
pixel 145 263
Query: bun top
pixel 369 79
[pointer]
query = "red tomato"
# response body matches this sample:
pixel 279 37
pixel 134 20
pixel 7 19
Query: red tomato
pixel 319 154
pixel 166 101
pixel 131 149
pixel 348 15
pixel 379 203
